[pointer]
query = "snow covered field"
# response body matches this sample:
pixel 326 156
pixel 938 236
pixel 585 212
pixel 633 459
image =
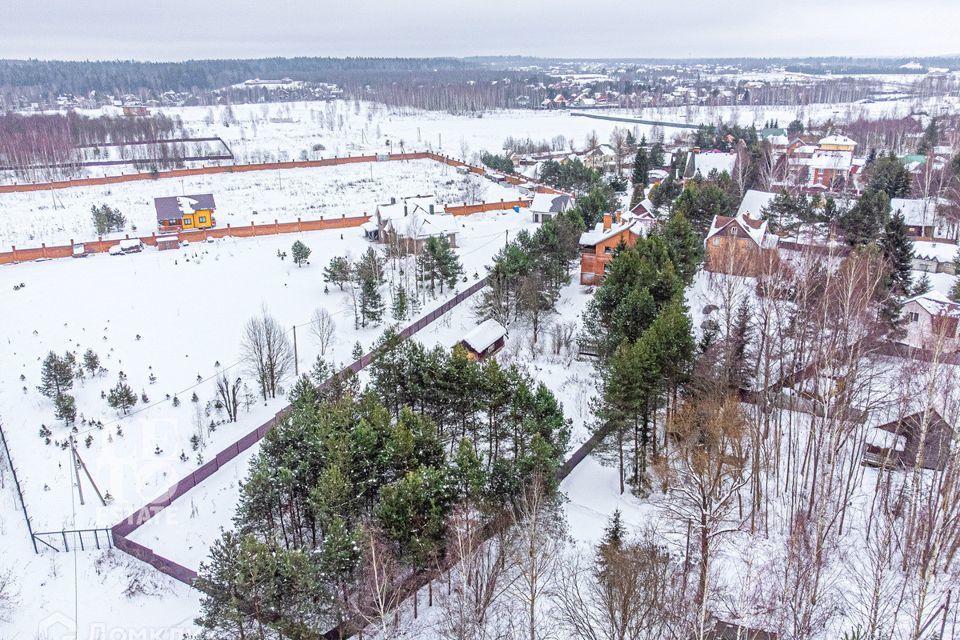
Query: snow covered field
pixel 56 217
pixel 175 315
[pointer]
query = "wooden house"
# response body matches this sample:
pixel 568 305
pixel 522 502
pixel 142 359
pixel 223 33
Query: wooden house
pixel 597 246
pixel 484 340
pixel 184 213
pixel 740 245
pixel 920 439
pixel 932 322
pixel 549 205
pixel 934 257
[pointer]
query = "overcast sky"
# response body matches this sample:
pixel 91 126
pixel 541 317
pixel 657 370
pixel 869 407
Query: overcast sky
pixel 180 29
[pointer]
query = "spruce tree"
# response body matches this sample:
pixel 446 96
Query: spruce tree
pixel 400 305
pixel 641 167
pixel 371 303
pixel 897 251
pixel 922 286
pixel 955 289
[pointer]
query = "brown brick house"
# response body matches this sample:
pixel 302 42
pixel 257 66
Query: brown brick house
pixel 597 246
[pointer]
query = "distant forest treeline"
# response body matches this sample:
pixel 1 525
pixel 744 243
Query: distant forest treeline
pixel 129 76
pixel 431 83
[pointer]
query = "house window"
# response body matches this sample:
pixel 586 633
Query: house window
pixel 203 219
pixel 914 316
pixel 716 242
pixel 607 249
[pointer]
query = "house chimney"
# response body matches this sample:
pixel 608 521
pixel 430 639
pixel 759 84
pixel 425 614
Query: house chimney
pixel 431 209
pixel 607 221
pixel 393 200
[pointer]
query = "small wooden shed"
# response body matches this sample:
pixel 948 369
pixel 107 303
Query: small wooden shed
pixel 484 340
pixel 922 438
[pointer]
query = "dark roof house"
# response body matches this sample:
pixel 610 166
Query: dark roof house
pixel 174 207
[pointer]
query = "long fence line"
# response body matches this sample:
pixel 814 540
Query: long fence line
pixel 135 161
pixel 16 483
pixel 122 530
pixel 514 179
pixel 43 252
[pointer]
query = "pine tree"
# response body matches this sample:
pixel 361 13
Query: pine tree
pixel 91 362
pixel 300 253
pixel 65 408
pixel 56 374
pixel 338 272
pixel 122 397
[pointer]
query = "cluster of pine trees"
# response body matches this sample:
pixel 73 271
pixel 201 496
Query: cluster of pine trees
pixel 350 474
pixel 637 324
pixel 528 273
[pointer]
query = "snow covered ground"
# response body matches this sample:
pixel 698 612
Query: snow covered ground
pixel 178 316
pixel 174 314
pixel 56 217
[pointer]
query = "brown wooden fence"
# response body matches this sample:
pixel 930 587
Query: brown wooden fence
pixel 134 521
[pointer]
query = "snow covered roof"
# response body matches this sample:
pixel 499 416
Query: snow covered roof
pixel 421 225
pixel 935 303
pixel 831 159
pixel 916 212
pixel 838 140
pixel 599 234
pixel 551 203
pixel 705 162
pixel 934 251
pixel 779 141
pixel 754 228
pixel 408 206
pixel 643 209
pixel 174 207
pixel 482 336
pixel 754 202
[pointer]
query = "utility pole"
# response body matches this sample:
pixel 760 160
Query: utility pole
pixel 76 468
pixel 296 358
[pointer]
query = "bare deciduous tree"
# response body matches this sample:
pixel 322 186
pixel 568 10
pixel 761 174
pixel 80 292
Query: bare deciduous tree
pixel 229 395
pixel 620 594
pixel 267 352
pixel 323 329
pixel 537 546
